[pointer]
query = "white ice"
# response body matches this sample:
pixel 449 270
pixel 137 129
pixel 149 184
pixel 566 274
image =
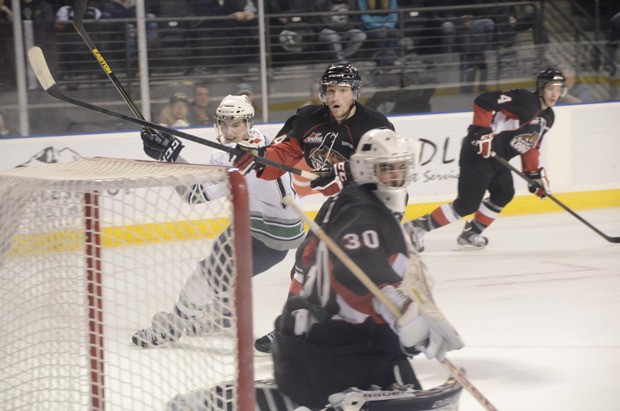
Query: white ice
pixel 538 309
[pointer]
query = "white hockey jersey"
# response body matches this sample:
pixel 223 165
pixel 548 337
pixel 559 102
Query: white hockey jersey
pixel 271 222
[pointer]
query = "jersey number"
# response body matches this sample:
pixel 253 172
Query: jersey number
pixel 368 239
pixel 504 99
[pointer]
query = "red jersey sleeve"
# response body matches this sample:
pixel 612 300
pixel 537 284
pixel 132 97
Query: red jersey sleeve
pixel 287 152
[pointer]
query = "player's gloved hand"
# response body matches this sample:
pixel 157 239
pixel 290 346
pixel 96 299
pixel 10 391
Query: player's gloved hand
pixel 332 178
pixel 247 151
pixel 424 327
pixel 161 146
pixel 482 138
pixel 541 186
pixel 485 145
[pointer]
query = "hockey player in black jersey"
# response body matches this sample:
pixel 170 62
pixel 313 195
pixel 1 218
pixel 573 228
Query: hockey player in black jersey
pixel 325 135
pixel 507 123
pixel 336 334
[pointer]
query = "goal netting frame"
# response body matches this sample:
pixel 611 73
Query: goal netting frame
pixel 72 238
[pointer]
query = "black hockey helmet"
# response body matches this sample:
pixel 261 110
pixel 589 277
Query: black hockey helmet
pixel 550 75
pixel 341 74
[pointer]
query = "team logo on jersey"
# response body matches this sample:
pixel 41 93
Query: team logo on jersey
pixel 323 156
pixel 530 135
pixel 315 138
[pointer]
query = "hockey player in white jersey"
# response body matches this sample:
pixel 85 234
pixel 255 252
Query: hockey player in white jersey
pixel 274 228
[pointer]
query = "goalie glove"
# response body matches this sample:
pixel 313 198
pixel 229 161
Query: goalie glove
pixel 161 146
pixel 421 327
pixel 541 183
pixel 332 178
pixel 424 327
pixel 247 151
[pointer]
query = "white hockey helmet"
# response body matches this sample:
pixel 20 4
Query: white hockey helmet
pixel 234 108
pixel 386 159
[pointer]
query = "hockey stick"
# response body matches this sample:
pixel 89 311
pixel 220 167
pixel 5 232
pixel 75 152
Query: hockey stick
pixel 376 291
pixel 79 9
pixel 505 163
pixel 41 70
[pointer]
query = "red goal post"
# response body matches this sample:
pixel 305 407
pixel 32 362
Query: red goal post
pixel 89 250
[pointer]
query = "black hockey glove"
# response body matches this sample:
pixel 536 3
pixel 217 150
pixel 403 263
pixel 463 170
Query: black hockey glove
pixel 482 138
pixel 541 183
pixel 245 159
pixel 161 146
pixel 332 178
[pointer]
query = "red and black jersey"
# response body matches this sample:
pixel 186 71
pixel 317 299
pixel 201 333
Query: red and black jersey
pixel 518 122
pixel 313 134
pixel 371 237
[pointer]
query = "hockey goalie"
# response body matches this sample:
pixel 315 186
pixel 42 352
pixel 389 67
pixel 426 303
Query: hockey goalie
pixel 337 346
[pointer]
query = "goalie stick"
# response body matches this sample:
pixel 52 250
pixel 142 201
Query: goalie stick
pixel 376 291
pixel 506 164
pixel 41 70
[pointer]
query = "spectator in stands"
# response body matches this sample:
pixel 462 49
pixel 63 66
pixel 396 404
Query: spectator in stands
pixel 201 112
pixel 41 14
pixel 7 65
pixel 67 38
pixel 338 30
pixel 402 90
pixel 125 34
pixel 510 22
pixel 176 112
pixel 218 42
pixel 576 92
pixel 293 33
pixel 4 130
pixel 381 29
pixel 472 37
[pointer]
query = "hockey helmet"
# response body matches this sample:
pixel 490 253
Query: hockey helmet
pixel 342 74
pixel 553 76
pixel 386 159
pixel 234 108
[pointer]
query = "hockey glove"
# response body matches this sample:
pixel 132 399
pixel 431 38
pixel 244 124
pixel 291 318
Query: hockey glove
pixel 161 146
pixel 485 145
pixel 245 159
pixel 540 185
pixel 332 178
pixel 482 139
pixel 424 327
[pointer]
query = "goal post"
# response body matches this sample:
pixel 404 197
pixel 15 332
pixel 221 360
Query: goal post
pixel 89 251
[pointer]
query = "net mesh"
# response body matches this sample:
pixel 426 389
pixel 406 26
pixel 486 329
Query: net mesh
pixel 89 251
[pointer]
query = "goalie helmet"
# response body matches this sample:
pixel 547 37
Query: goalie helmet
pixel 553 76
pixel 385 159
pixel 234 108
pixel 342 74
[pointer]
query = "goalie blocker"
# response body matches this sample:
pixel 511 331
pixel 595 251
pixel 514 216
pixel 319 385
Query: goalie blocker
pixel 444 397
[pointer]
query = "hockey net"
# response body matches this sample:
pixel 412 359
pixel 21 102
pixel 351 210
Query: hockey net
pixel 89 250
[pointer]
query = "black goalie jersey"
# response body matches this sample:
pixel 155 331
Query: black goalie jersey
pixel 373 238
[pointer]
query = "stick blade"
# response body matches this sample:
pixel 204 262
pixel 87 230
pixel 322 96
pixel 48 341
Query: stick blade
pixel 40 68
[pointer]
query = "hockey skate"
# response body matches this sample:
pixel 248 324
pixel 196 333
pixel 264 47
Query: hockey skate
pixel 208 324
pixel 165 329
pixel 263 344
pixel 470 240
pixel 416 230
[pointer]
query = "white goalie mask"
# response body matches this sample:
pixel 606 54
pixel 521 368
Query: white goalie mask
pixel 386 159
pixel 233 108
